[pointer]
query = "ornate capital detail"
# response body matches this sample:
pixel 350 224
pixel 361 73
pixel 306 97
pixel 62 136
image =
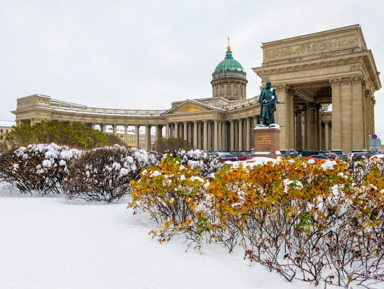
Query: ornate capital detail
pixel 335 81
pixel 368 93
pixel 356 79
pixel 346 81
pixel 281 87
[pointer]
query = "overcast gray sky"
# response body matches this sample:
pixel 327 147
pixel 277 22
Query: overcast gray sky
pixel 147 53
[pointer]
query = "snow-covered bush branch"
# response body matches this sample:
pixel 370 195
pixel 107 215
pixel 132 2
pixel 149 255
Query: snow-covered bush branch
pixel 104 174
pixel 39 168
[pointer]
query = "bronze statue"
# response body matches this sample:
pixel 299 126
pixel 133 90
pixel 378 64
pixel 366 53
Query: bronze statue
pixel 268 100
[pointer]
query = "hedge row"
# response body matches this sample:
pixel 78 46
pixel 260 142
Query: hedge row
pixel 101 174
pixel 316 222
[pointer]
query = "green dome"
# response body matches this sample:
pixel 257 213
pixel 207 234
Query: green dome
pixel 229 63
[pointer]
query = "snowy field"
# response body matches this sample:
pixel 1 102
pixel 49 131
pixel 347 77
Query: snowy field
pixel 49 242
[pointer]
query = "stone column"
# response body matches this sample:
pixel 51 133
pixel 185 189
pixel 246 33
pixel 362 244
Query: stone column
pixel 103 128
pixel 232 135
pixel 282 116
pixel 304 122
pixel 219 136
pixel 240 135
pixel 346 114
pixel 358 135
pixel 209 139
pixel 248 135
pixel 290 118
pixel 159 131
pixel 336 114
pixel 185 131
pixel 148 137
pixel 167 130
pixel 367 97
pixel 195 134
pixel 299 135
pixel 318 127
pixel 176 129
pixel 205 135
pixel 114 127
pixel 311 127
pixel 215 135
pixel 137 136
pixel 326 135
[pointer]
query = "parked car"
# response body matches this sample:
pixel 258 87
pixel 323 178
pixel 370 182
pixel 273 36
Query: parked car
pixel 214 154
pixel 241 157
pixel 311 152
pixel 318 157
pixel 226 158
pixel 354 153
pixel 332 156
pixel 358 157
pixel 289 153
pixel 342 156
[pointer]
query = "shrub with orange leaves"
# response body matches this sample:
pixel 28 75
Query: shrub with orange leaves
pixel 300 219
pixel 174 196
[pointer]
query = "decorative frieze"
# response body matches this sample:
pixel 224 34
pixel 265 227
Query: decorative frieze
pixel 313 47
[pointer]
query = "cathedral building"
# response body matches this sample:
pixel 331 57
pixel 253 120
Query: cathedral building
pixel 326 81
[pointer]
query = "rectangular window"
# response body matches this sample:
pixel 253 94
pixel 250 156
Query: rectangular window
pixel 222 90
pixel 228 90
pixel 235 90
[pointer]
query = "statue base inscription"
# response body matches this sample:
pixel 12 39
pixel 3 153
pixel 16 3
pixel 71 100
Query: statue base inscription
pixel 267 141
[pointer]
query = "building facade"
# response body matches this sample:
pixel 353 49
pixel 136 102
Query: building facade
pixel 326 80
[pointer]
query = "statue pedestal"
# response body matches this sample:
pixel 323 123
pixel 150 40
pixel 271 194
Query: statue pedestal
pixel 267 141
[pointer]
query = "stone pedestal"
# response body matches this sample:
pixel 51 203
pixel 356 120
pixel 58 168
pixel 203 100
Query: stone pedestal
pixel 267 141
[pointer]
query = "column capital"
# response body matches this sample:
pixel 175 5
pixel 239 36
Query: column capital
pixel 335 81
pixel 357 79
pixel 281 87
pixel 368 93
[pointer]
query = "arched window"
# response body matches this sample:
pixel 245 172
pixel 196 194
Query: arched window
pixel 235 89
pixel 222 90
pixel 228 90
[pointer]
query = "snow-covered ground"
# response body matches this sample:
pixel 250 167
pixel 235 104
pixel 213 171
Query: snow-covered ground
pixel 49 243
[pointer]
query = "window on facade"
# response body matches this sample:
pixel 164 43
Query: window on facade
pixel 222 90
pixel 228 90
pixel 217 90
pixel 240 90
pixel 235 90
pixel 1 131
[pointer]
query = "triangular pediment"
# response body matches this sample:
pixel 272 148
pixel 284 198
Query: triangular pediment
pixel 190 106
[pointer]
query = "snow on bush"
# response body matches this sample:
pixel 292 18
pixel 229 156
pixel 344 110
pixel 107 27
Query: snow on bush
pixel 311 222
pixel 37 167
pixel 172 193
pixel 198 159
pixel 104 174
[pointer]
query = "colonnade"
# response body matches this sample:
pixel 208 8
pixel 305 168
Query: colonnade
pixel 147 135
pixel 215 135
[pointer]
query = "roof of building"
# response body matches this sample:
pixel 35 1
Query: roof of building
pixel 229 63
